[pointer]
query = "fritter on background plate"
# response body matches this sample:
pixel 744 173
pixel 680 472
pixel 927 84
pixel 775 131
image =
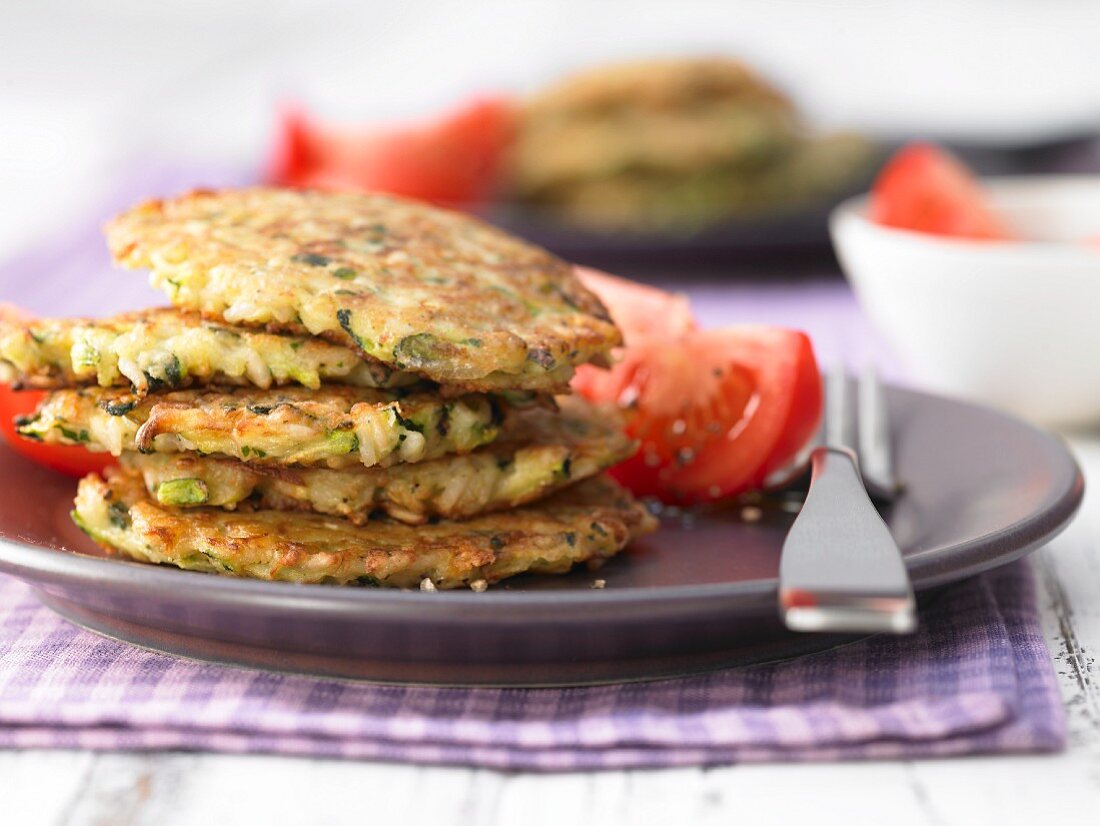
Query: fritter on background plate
pixel 677 116
pixel 672 145
pixel 588 522
pixel 673 83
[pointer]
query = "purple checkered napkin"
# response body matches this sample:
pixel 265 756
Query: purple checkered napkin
pixel 976 678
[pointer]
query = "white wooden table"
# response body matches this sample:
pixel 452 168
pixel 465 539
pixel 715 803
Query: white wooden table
pixel 164 789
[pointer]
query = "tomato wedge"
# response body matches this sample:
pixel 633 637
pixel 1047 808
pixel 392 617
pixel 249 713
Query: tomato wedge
pixel 453 161
pixel 925 188
pixel 75 461
pixel 715 411
pixel 640 311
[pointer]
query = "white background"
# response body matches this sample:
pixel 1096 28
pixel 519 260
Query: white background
pixel 88 86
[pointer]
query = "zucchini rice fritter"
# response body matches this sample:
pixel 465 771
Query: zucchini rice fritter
pixel 673 145
pixel 538 452
pixel 335 426
pixel 350 389
pixel 166 348
pixel 676 115
pixel 588 522
pixel 417 288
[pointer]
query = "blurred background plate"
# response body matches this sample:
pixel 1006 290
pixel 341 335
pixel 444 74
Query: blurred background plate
pixel 782 233
pixel 78 117
pixel 799 235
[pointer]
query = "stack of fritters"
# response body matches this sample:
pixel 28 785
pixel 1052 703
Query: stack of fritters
pixel 349 389
pixel 672 145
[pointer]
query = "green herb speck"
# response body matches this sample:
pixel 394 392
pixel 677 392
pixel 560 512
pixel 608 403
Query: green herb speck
pixel 312 258
pixel 119 408
pixel 408 424
pixel 74 436
pixel 344 317
pixel 173 371
pixel 118 515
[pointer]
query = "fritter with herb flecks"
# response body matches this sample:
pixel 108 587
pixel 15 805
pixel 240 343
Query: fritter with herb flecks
pixel 420 289
pixel 538 452
pixel 673 146
pixel 335 426
pixel 167 348
pixel 586 523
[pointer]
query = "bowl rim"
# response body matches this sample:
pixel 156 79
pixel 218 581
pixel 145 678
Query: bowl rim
pixel 852 213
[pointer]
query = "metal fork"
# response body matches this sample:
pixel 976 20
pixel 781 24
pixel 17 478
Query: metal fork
pixel 840 569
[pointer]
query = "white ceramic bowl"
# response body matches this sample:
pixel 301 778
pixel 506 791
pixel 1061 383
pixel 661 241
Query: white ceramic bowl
pixel 1015 324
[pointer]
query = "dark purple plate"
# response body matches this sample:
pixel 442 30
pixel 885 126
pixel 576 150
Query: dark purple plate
pixel 796 231
pixel 982 489
pixel 804 228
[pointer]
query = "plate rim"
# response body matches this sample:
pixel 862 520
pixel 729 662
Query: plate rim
pixel 41 566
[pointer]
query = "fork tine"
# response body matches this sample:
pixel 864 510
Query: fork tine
pixel 839 418
pixel 875 453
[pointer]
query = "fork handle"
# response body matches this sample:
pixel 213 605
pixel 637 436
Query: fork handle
pixel 840 569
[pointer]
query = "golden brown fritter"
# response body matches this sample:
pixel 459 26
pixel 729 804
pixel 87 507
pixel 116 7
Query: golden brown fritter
pixel 685 201
pixel 588 523
pixel 538 452
pixel 674 116
pixel 662 83
pixel 159 348
pixel 421 289
pixel 335 426
pixel 672 145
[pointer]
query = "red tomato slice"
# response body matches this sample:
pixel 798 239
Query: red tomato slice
pixel 75 461
pixel 715 411
pixel 640 311
pixel 925 188
pixel 455 160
